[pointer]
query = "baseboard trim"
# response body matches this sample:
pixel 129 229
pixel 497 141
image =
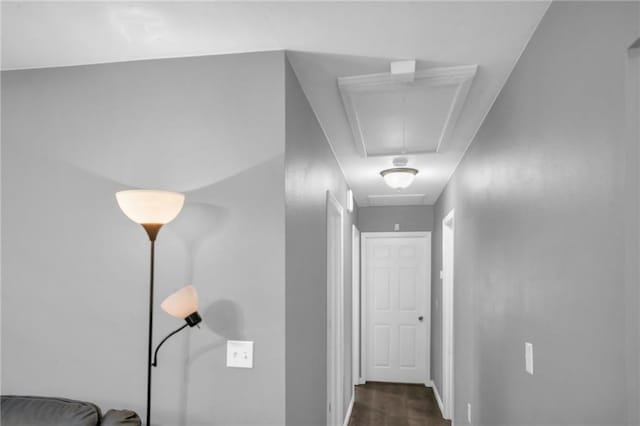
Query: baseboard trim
pixel 347 417
pixel 438 399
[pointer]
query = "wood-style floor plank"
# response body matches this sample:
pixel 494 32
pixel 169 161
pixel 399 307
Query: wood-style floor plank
pixel 395 404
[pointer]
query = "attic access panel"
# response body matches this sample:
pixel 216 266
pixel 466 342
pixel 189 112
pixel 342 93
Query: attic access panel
pixel 391 116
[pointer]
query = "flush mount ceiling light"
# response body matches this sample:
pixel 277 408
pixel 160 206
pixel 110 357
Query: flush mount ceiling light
pixel 400 176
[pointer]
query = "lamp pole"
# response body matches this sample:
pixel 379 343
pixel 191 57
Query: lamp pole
pixel 153 249
pixel 152 231
pixel 150 208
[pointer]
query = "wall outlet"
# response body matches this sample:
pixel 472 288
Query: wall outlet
pixel 396 227
pixel 528 357
pixel 469 413
pixel 239 354
pixel 441 274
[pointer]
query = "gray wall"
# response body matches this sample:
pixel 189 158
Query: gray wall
pixel 539 241
pixel 383 218
pixel 75 269
pixel 311 170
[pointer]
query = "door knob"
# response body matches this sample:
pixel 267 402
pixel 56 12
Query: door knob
pixel 420 318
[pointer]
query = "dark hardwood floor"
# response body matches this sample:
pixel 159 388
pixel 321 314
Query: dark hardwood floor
pixel 395 404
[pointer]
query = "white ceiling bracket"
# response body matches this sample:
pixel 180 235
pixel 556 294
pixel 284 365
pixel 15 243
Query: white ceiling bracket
pixel 400 162
pixel 404 70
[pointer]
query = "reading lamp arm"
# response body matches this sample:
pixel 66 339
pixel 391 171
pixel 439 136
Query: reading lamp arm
pixel 155 354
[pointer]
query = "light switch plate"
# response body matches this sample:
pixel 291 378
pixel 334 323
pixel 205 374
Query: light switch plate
pixel 528 357
pixel 239 354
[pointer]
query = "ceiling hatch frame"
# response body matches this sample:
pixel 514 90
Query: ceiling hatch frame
pixel 396 200
pixel 460 77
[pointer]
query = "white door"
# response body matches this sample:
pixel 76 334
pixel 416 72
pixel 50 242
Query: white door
pixel 335 309
pixel 397 291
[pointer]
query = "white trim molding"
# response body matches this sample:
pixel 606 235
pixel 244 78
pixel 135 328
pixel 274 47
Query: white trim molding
pixel 347 416
pixel 355 301
pixel 396 200
pixel 448 315
pixel 335 312
pixel 438 399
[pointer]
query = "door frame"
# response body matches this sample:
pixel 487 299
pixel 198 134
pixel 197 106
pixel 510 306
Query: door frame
pixel 355 320
pixel 335 313
pixel 364 236
pixel 448 303
pixel 632 224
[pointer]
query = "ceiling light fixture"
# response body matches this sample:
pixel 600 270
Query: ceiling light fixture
pixel 399 177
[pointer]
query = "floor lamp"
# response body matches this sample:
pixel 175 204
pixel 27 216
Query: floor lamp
pixel 152 209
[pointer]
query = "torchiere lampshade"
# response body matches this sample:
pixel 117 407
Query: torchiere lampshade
pixel 183 304
pixel 150 208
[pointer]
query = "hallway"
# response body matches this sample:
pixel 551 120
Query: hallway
pixel 357 200
pixel 394 404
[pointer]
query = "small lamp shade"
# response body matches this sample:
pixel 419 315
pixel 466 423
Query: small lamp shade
pixel 148 206
pixel 182 303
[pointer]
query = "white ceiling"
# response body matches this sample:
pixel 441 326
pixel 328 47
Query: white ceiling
pixel 328 40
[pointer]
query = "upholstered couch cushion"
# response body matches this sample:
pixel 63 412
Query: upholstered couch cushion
pixel 43 411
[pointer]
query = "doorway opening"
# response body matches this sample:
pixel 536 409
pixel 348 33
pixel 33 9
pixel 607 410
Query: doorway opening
pixel 355 320
pixel 632 228
pixel 448 225
pixel 335 310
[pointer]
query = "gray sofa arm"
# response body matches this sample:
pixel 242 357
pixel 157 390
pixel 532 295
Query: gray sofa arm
pixel 121 418
pixel 18 410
